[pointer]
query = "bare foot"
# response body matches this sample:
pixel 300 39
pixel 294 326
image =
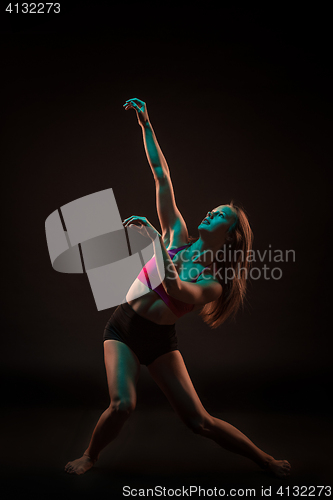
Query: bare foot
pixel 280 468
pixel 80 465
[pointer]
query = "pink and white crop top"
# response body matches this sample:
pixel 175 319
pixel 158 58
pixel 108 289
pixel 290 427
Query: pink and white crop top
pixel 178 307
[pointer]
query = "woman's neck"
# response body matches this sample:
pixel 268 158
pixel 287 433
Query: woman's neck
pixel 202 252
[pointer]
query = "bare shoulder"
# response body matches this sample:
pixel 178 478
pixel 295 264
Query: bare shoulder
pixel 208 276
pixel 211 289
pixel 177 238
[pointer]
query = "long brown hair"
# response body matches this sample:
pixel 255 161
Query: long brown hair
pixel 235 251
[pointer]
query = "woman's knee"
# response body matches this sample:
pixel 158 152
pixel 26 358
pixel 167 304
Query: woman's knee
pixel 199 423
pixel 122 406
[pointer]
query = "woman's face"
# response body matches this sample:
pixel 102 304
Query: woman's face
pixel 217 221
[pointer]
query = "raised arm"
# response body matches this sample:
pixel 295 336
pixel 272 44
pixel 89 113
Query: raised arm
pixel 171 220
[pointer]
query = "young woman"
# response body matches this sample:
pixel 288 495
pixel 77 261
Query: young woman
pixel 142 330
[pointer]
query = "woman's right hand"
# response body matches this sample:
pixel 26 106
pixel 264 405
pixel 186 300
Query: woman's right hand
pixel 140 108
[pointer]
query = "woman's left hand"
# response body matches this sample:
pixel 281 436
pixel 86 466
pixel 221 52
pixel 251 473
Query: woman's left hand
pixel 143 226
pixel 140 108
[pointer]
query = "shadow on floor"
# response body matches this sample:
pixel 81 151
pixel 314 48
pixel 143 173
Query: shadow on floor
pixel 155 449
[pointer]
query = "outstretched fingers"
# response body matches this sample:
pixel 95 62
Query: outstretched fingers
pixel 131 106
pixel 134 104
pixel 140 220
pixel 136 101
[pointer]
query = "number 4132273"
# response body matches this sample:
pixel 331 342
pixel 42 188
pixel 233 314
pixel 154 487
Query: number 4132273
pixel 34 8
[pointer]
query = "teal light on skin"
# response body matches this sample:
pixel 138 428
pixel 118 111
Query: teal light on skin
pixel 212 236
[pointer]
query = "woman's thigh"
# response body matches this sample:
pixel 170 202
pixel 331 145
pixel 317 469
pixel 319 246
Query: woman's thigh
pixel 171 375
pixel 122 370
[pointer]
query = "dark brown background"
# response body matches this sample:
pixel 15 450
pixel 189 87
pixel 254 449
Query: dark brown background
pixel 240 103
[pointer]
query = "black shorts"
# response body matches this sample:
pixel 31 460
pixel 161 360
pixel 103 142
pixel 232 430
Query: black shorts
pixel 147 339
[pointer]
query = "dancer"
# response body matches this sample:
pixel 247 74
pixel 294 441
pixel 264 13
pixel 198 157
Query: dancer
pixel 142 329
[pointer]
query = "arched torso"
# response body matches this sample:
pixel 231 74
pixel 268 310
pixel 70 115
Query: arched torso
pixel 148 303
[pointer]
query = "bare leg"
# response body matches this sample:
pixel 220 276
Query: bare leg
pixel 122 368
pixel 170 373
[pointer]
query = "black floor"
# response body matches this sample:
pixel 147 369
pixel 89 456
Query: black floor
pixel 156 449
